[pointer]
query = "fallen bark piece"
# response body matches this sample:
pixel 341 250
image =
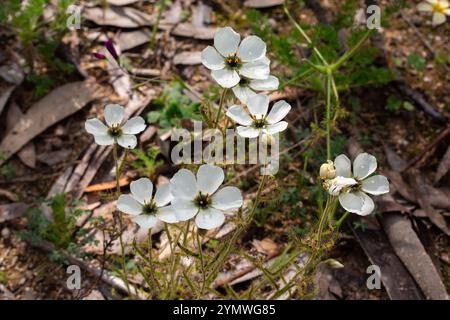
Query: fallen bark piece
pixel 107 185
pixel 398 282
pixel 410 250
pixel 57 105
pixel 121 2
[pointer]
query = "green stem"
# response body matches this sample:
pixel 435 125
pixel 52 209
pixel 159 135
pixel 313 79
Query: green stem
pixel 328 115
pixel 240 229
pixel 219 111
pixel 352 51
pixel 202 264
pixel 303 33
pixel 122 247
pixel 339 222
pixel 162 6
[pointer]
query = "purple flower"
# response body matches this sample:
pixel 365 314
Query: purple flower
pixel 110 47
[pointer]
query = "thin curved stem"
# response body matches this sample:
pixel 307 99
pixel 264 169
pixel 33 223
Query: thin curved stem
pixel 122 246
pixel 219 111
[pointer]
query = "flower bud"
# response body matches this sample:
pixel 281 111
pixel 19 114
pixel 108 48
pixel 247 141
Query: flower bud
pixel 333 263
pixel 327 170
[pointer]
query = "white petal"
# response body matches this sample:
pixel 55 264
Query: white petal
pixel 95 127
pixel 183 185
pixel 209 219
pixel 258 105
pixel 212 59
pixel 227 198
pixel 438 18
pixel 226 41
pixel 167 214
pixel 239 115
pixel 275 128
pixel 251 48
pixel 357 202
pixel 134 126
pixel 128 204
pixel 279 110
pixel 209 178
pixel 225 77
pixel 258 69
pixel 104 139
pixel 127 141
pixel 184 209
pixel 271 83
pixel 243 93
pixel 247 132
pixel 423 6
pixel 338 183
pixel 376 185
pixel 142 190
pixel 145 221
pixel 114 114
pixel 364 165
pixel 343 166
pixel 163 195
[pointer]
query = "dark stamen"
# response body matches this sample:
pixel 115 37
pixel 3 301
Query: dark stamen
pixel 233 61
pixel 115 131
pixel 202 200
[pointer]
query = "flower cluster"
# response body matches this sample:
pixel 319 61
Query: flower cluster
pixel 189 197
pixel 439 9
pixel 242 66
pixel 352 187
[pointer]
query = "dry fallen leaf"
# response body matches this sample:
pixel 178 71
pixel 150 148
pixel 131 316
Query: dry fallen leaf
pixel 266 246
pixel 262 3
pixel 4 96
pixel 121 17
pixel 410 250
pixel 12 211
pixel 28 153
pixel 132 39
pixel 191 31
pixel 188 58
pixel 57 105
pixel 443 167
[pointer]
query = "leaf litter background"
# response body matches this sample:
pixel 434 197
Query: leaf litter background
pixel 402 119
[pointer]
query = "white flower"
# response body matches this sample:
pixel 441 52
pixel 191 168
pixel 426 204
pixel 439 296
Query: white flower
pixel 199 196
pixel 145 209
pixel 439 8
pixel 247 87
pixel 115 132
pixel 258 121
pixel 230 59
pixel 352 188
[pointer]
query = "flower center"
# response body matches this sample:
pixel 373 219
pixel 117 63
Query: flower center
pixel 149 209
pixel 202 201
pixel 437 7
pixel 233 61
pixel 115 131
pixel 259 123
pixel 244 82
